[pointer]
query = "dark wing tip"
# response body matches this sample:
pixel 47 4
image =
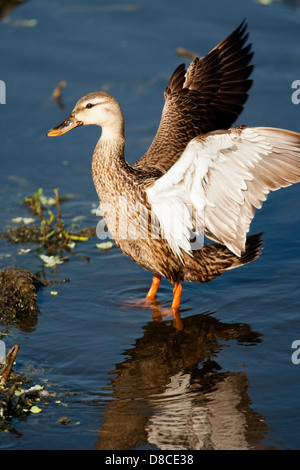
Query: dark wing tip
pixel 253 249
pixel 227 58
pixel 241 30
pixel 209 95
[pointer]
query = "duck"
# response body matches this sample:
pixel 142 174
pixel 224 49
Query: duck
pixel 200 179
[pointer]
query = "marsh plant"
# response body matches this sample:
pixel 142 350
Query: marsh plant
pixel 53 233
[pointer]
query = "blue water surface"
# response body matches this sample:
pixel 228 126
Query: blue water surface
pixel 123 379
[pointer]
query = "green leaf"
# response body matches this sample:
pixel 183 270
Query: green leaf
pixel 51 216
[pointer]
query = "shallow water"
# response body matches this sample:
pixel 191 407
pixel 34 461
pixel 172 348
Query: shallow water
pixel 123 379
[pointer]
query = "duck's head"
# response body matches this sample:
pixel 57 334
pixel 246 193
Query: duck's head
pixel 99 108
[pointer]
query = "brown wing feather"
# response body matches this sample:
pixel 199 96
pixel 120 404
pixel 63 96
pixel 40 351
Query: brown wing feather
pixel 208 96
pixel 213 259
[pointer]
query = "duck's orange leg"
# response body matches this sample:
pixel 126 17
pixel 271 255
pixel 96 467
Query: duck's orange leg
pixel 174 310
pixel 153 289
pixel 176 296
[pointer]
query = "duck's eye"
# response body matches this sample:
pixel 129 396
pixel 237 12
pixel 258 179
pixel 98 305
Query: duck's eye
pixel 89 105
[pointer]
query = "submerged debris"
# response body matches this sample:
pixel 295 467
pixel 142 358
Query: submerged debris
pixel 18 293
pixel 56 95
pixel 6 367
pixel 182 52
pixel 23 234
pixel 15 399
pixel 64 420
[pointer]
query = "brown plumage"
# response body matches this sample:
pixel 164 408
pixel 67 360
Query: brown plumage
pixel 195 178
pixel 210 95
pixel 214 259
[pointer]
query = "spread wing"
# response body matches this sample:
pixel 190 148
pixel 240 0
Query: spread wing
pixel 219 181
pixel 208 96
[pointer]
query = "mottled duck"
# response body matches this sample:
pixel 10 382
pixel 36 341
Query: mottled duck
pixel 199 176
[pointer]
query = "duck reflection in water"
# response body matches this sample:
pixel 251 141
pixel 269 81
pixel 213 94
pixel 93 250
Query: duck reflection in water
pixel 171 393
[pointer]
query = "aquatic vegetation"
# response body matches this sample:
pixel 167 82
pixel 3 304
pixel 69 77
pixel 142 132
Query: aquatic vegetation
pixel 53 233
pixel 104 246
pixel 18 294
pixel 51 261
pixel 47 228
pixel 16 400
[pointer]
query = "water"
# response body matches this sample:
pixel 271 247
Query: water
pixel 124 380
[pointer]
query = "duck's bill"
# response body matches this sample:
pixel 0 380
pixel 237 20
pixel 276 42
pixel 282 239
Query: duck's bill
pixel 64 127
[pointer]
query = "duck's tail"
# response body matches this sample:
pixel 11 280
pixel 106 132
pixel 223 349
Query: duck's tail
pixel 213 259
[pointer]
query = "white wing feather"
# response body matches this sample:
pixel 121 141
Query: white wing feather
pixel 219 181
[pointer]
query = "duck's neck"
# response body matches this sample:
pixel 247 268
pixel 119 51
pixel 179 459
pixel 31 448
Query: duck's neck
pixel 109 166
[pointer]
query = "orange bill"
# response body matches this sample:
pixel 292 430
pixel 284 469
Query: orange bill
pixel 64 127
